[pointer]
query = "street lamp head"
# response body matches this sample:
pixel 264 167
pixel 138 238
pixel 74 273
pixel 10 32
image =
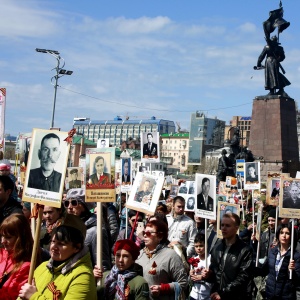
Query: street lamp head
pixel 65 72
pixel 47 51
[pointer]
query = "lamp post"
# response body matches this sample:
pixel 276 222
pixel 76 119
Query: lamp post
pixel 59 73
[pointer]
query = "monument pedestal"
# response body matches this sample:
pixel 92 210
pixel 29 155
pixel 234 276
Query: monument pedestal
pixel 274 134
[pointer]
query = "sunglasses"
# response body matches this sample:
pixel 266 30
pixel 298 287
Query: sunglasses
pixel 148 233
pixel 133 220
pixel 73 202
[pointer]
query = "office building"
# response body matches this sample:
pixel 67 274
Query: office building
pixel 205 133
pixel 119 130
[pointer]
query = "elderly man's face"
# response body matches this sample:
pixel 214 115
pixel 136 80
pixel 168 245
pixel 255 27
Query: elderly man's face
pixel 49 154
pixel 99 166
pixel 294 192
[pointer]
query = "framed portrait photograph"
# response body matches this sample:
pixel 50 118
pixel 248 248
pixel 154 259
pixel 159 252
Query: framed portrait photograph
pixel 100 174
pixel 190 202
pixel 206 196
pixel 46 168
pixel 74 178
pixel 252 176
pixel 183 188
pixel 174 190
pixel 273 187
pixel 103 143
pixel 145 193
pixel 126 174
pixel 150 147
pixel 225 208
pixel 289 200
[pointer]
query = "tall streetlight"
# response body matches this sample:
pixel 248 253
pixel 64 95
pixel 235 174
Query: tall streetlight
pixel 59 73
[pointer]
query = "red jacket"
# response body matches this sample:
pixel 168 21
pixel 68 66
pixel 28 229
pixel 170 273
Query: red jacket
pixel 13 284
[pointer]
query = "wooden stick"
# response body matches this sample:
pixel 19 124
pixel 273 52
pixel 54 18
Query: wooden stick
pixel 126 217
pixel 292 245
pixel 36 243
pixel 99 239
pixel 205 246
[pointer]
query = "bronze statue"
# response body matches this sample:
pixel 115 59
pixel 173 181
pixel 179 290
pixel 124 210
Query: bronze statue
pixel 275 81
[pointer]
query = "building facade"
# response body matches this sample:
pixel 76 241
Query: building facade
pixel 244 123
pixel 205 133
pixel 119 130
pixel 174 150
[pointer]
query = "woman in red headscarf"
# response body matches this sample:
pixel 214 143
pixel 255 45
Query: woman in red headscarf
pixel 125 280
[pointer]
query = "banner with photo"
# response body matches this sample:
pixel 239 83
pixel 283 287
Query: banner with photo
pixel 145 193
pixel 100 175
pixel 289 200
pixel 174 190
pixel 150 147
pixel 75 178
pixel 252 176
pixel 126 174
pixel 225 208
pixel 273 187
pixel 46 167
pixel 103 143
pixel 206 196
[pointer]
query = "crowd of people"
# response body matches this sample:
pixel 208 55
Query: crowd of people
pixel 167 255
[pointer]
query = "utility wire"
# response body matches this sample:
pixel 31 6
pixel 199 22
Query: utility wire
pixel 148 108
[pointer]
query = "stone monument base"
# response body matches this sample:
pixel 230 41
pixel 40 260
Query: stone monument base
pixel 274 134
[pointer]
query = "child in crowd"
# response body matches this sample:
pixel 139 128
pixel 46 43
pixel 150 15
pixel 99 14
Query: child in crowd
pixel 201 289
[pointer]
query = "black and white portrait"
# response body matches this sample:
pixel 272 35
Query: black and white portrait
pixel 47 164
pixel 206 196
pixel 150 146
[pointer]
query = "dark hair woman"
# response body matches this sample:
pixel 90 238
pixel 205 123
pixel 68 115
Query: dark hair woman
pixel 279 263
pixel 15 255
pixel 68 274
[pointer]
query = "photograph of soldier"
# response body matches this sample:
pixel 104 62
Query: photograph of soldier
pixel 190 203
pixel 144 193
pixel 74 182
pixel 204 201
pixel 100 173
pixel 150 148
pixel 183 189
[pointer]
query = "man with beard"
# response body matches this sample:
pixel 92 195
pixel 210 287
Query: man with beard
pixel 45 177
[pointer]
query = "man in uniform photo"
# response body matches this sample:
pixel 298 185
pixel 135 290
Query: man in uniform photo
pixel 150 148
pixel 74 183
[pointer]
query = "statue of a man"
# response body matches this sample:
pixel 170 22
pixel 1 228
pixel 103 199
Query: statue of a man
pixel 274 54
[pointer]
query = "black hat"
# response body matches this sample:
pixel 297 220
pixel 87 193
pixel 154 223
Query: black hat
pixel 272 213
pixel 74 171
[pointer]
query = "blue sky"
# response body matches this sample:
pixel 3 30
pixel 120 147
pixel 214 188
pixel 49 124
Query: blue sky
pixel 165 58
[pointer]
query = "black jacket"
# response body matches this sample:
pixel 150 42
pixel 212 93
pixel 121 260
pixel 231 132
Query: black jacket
pixel 232 277
pixel 11 207
pixel 282 287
